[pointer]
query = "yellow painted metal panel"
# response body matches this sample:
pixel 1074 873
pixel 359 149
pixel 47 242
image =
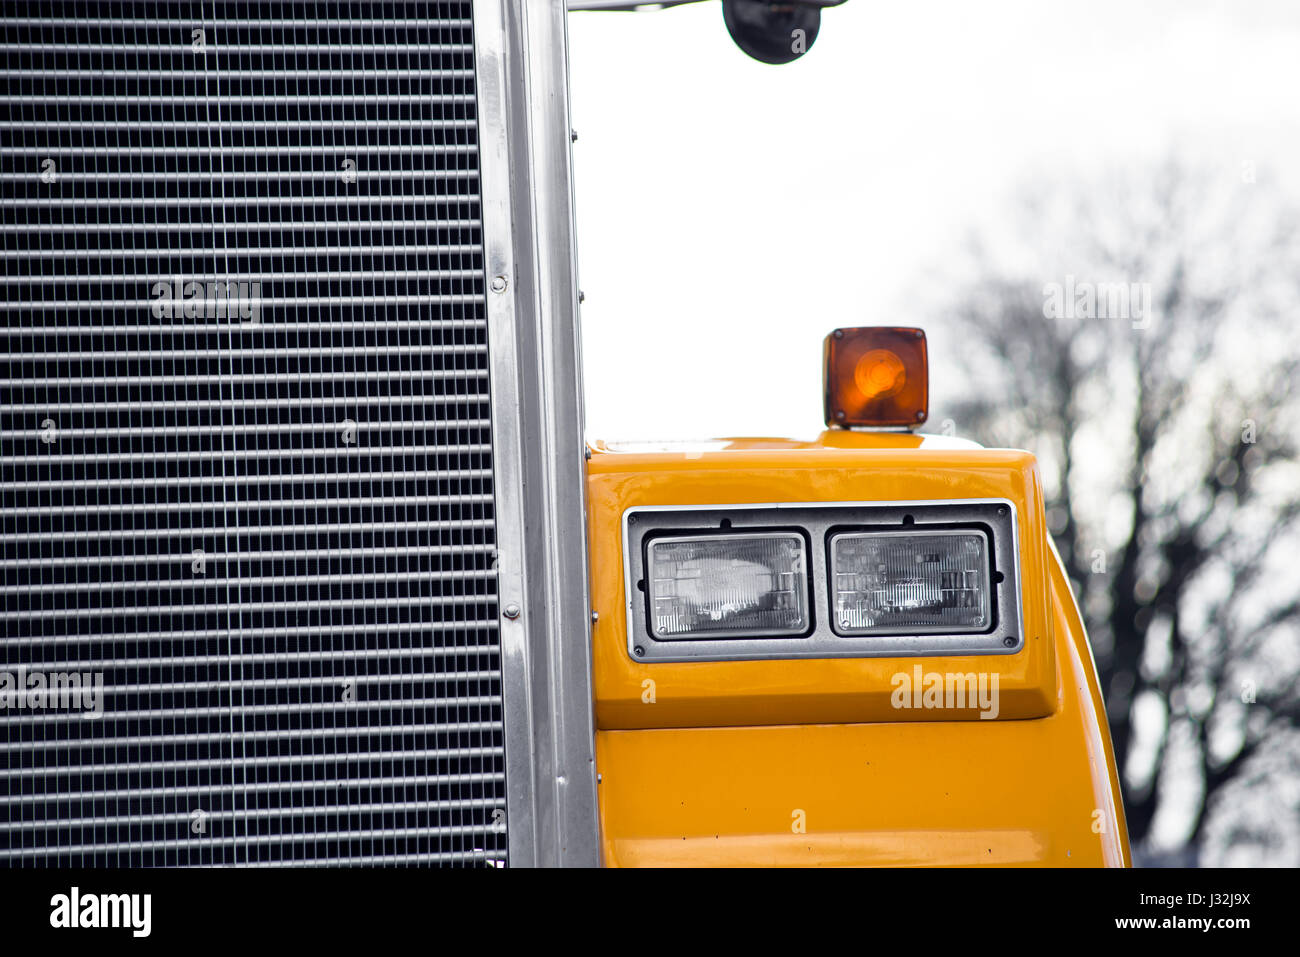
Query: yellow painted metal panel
pixel 1035 792
pixel 805 762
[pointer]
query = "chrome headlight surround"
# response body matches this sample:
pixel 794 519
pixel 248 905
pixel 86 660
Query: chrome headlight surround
pixel 823 523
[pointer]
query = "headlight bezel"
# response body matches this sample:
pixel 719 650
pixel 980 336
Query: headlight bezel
pixel 996 519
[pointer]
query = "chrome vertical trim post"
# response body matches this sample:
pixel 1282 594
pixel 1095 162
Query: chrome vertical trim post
pixel 530 262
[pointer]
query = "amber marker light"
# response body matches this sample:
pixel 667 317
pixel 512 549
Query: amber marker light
pixel 876 376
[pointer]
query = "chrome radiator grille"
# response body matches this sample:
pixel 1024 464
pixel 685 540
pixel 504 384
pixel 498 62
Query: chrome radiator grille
pixel 245 456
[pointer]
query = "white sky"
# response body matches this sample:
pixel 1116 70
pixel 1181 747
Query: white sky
pixel 730 214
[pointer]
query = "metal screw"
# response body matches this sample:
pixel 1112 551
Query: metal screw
pixel 839 333
pixel 499 284
pixel 920 416
pixel 839 415
pixel 638 651
pixel 631 519
pixel 595 617
pixel 582 297
pixel 920 334
pixel 1009 641
pixel 511 611
pixel 1002 510
pixel 573 136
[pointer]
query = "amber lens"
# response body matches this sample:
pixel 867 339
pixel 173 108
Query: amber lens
pixel 876 376
pixel 879 373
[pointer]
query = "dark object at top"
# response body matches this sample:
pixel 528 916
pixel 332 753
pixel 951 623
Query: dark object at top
pixel 772 32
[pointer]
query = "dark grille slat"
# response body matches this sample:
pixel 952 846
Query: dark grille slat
pixel 188 709
pixel 272 536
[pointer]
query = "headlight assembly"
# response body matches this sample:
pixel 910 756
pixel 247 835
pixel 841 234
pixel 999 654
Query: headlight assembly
pixel 886 583
pixel 832 580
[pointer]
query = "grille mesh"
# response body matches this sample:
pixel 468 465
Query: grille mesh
pixel 266 520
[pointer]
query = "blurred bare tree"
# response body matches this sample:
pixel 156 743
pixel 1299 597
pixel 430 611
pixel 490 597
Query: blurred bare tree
pixel 1168 443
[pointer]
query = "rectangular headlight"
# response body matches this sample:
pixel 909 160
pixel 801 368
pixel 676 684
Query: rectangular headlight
pixel 898 582
pixel 716 586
